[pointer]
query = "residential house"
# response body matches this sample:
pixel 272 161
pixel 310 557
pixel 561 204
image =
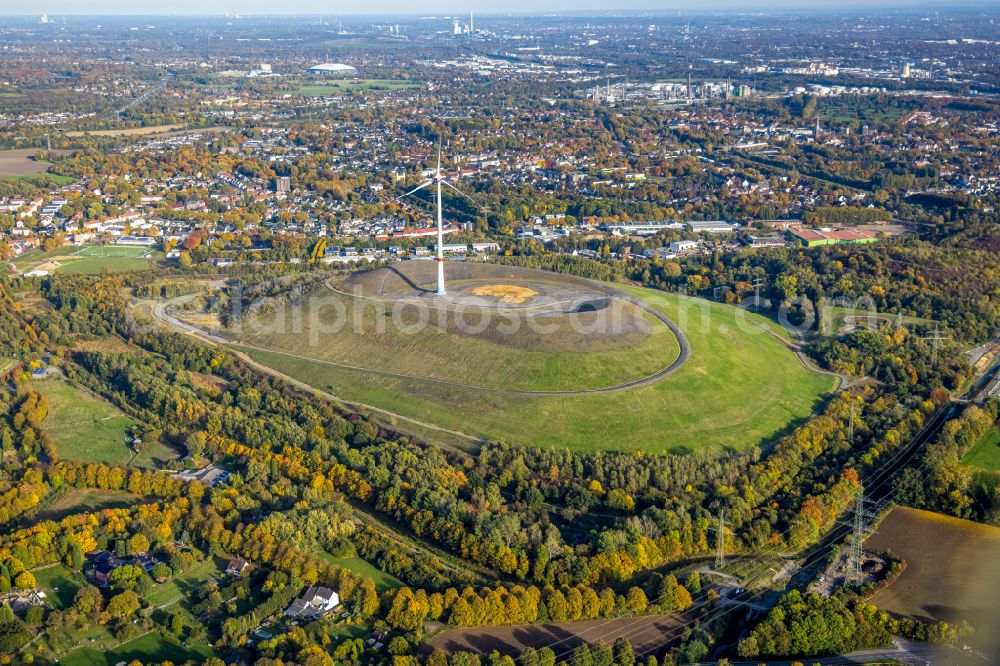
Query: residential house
pixel 315 602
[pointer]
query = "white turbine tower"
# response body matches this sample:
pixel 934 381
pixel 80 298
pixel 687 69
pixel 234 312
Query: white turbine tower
pixel 438 180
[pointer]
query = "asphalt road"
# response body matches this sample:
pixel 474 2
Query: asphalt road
pixel 161 312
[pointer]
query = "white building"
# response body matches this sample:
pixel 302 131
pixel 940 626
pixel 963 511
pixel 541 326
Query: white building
pixel 332 68
pixel 683 246
pixel 317 601
pixel 712 227
pixel 640 228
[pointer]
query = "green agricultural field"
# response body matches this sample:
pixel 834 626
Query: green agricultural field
pixel 383 581
pixel 741 387
pixel 59 584
pixel 986 453
pixel 147 649
pixel 84 426
pixel 348 85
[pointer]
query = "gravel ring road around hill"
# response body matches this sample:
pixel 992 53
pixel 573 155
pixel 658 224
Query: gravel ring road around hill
pixel 160 311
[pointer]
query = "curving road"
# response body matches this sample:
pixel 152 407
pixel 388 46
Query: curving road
pixel 160 311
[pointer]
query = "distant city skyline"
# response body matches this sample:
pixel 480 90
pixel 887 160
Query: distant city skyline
pixel 398 7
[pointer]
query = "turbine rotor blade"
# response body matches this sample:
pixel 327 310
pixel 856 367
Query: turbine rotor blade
pixel 479 205
pixel 415 189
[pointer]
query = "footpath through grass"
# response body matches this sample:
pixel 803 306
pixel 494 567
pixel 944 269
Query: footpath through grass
pixel 741 387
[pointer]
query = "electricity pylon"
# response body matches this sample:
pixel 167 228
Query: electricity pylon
pixel 720 540
pixel 859 530
pixel 935 340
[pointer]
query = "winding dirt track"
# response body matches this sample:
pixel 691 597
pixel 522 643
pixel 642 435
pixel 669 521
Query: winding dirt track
pixel 160 311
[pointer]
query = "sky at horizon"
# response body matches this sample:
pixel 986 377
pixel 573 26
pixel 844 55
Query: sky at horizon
pixel 426 7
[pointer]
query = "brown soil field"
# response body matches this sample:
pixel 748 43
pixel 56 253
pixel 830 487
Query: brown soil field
pixel 645 633
pixel 131 131
pixel 21 162
pixel 952 570
pixel 140 131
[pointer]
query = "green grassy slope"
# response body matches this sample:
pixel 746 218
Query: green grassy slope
pixel 741 387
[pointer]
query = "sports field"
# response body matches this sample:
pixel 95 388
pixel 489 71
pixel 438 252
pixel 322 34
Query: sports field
pixel 89 259
pixel 740 387
pixel 84 426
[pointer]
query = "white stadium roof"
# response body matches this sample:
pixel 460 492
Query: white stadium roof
pixel 332 67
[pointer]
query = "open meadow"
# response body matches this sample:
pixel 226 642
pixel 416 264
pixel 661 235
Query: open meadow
pixel 60 584
pixel 986 452
pixel 84 426
pixel 179 587
pixel 383 581
pixel 149 648
pixel 6 365
pixel 89 500
pixel 740 387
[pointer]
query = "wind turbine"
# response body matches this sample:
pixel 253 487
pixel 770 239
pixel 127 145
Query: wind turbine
pixel 438 180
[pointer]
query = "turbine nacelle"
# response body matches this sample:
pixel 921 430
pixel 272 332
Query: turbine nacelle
pixel 438 180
